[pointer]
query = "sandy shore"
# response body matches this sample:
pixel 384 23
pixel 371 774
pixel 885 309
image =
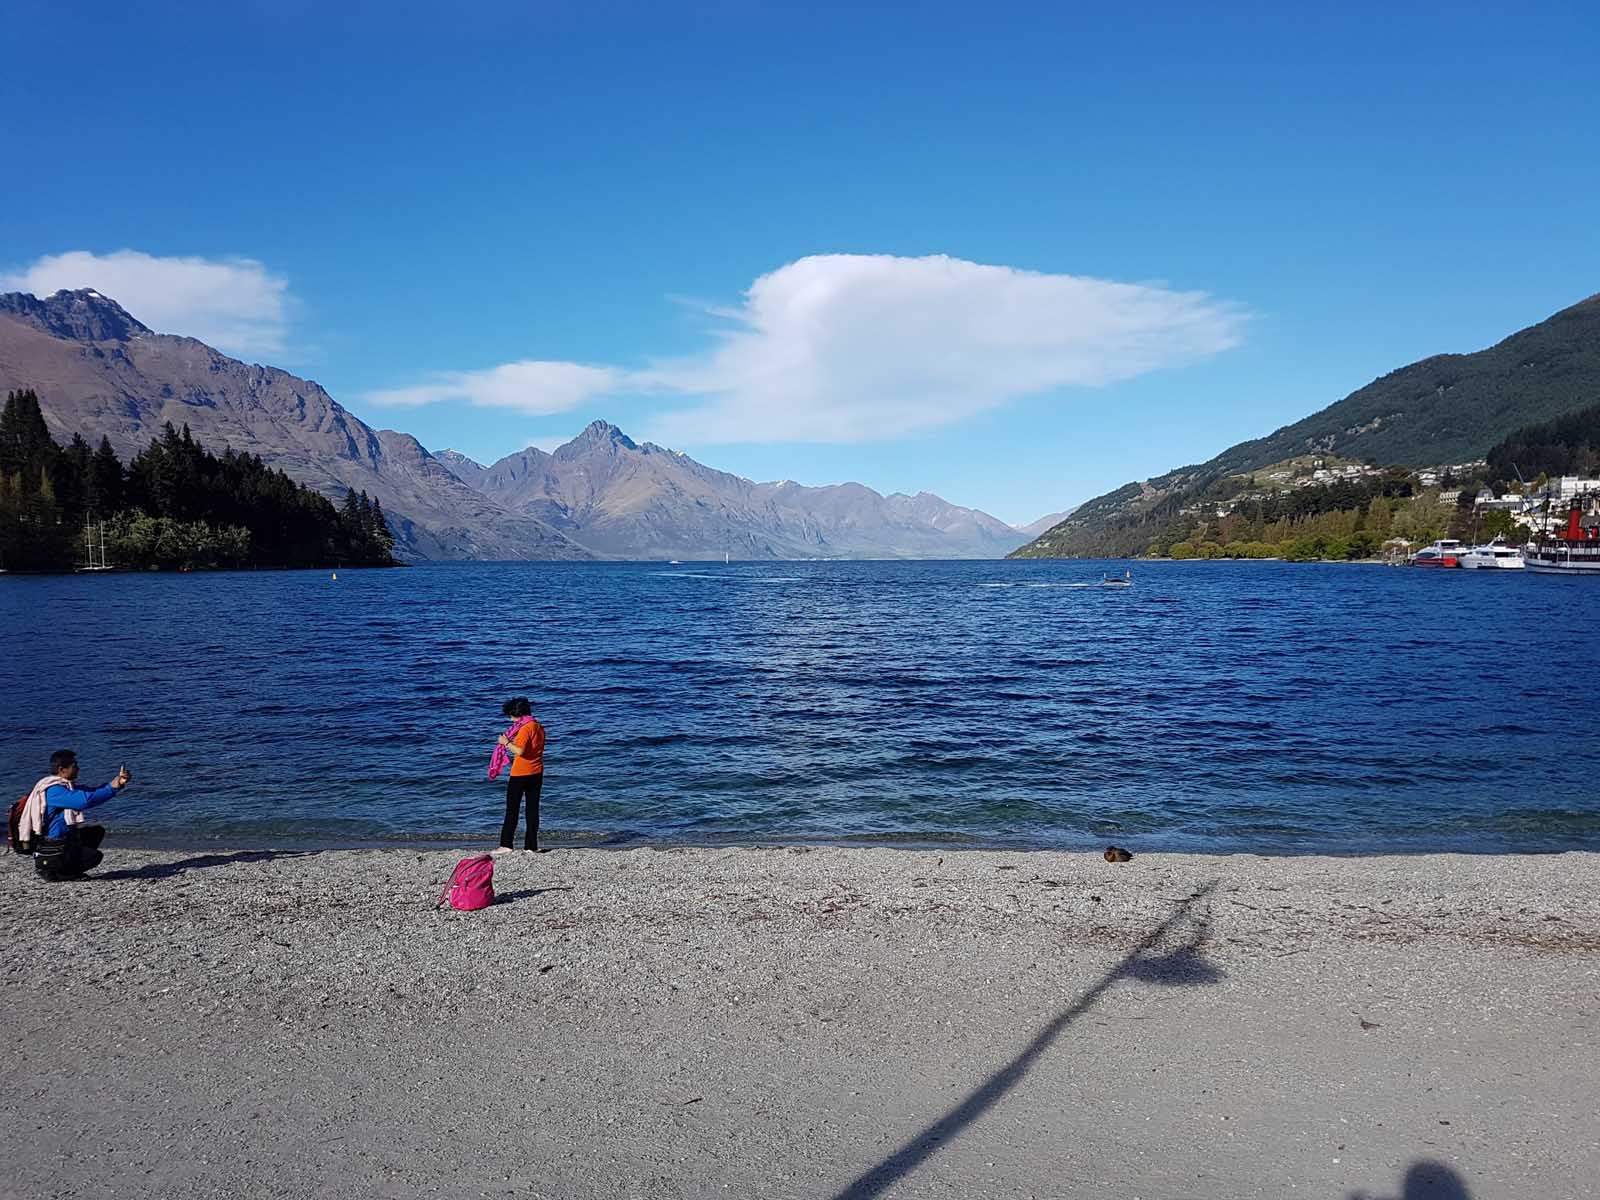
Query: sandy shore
pixel 820 1023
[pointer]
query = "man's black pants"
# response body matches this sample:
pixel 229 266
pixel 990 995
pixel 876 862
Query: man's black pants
pixel 70 856
pixel 518 788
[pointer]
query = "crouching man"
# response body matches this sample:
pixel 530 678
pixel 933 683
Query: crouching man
pixel 64 847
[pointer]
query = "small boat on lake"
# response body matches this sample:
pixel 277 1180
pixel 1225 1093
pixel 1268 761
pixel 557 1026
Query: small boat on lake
pixel 1446 552
pixel 1126 580
pixel 1496 556
pixel 92 562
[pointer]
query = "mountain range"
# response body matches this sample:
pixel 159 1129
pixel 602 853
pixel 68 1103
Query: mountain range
pixel 625 499
pixel 1447 409
pixel 99 371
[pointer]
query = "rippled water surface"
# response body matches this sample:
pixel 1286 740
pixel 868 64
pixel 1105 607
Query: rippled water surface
pixel 1211 706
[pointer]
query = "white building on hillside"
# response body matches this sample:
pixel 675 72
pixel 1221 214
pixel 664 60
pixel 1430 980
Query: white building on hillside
pixel 1565 487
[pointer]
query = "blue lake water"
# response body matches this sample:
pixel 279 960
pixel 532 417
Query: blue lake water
pixel 1213 706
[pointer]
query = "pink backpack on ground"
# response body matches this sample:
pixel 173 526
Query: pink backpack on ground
pixel 471 884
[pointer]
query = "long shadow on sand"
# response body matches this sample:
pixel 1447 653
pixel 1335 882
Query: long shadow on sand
pixel 1428 1180
pixel 525 894
pixel 198 863
pixel 1179 967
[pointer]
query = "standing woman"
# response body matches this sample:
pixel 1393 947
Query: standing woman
pixel 526 748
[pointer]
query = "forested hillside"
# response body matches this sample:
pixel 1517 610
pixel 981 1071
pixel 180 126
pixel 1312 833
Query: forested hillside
pixel 1451 408
pixel 1569 445
pixel 174 506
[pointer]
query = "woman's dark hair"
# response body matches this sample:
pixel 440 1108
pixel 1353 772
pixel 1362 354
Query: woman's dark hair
pixel 61 760
pixel 517 708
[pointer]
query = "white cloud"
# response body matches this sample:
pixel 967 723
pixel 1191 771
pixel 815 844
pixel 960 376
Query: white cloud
pixel 859 348
pixel 535 388
pixel 233 304
pixel 855 348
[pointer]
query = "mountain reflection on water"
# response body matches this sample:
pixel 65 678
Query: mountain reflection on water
pixel 1212 706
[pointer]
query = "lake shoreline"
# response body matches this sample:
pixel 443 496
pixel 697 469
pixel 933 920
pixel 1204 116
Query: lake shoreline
pixel 804 1022
pixel 231 842
pixel 232 569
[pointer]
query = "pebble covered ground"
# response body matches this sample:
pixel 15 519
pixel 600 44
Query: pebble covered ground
pixel 835 1022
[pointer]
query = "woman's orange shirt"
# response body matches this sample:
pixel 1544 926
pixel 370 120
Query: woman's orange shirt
pixel 530 741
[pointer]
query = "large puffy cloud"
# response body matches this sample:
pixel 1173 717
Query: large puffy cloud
pixel 234 304
pixel 856 348
pixel 847 348
pixel 536 388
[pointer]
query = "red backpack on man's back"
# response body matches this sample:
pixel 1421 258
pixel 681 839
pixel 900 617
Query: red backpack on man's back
pixel 14 829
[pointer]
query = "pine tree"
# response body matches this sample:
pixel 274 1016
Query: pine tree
pixel 10 443
pixel 70 475
pixel 350 519
pixel 24 436
pixel 382 535
pixel 105 480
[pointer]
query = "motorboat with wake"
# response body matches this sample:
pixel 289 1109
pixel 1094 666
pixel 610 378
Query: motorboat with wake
pixel 1124 580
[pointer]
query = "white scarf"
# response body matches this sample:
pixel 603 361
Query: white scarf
pixel 32 826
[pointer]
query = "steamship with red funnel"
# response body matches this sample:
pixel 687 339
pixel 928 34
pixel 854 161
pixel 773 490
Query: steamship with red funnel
pixel 1575 550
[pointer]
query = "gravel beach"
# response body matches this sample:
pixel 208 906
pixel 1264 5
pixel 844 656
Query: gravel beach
pixel 807 1022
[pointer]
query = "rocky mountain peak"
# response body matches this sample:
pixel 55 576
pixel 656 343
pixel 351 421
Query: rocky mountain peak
pixel 456 458
pixel 459 465
pixel 599 435
pixel 83 315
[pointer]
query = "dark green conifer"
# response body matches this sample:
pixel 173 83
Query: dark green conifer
pixel 105 479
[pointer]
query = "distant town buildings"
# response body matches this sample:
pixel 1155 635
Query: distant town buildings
pixel 1434 476
pixel 1533 509
pixel 1565 487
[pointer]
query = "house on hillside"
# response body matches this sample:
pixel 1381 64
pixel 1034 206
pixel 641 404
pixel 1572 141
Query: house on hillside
pixel 1565 487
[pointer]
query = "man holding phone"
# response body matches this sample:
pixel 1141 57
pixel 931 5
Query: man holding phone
pixel 56 807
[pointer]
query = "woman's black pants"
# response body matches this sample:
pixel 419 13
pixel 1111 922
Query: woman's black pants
pixel 518 788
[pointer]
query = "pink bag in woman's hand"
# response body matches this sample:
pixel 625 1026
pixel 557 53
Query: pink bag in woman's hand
pixel 499 759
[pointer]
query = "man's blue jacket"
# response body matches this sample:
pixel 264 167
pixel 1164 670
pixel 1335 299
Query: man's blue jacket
pixel 61 796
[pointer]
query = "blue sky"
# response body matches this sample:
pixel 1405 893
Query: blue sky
pixel 1015 255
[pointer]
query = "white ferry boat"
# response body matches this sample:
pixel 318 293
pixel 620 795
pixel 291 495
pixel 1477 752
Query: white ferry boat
pixel 1573 551
pixel 1446 552
pixel 1495 555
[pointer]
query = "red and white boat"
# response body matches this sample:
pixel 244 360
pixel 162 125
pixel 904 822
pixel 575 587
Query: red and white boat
pixel 1573 551
pixel 1446 552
